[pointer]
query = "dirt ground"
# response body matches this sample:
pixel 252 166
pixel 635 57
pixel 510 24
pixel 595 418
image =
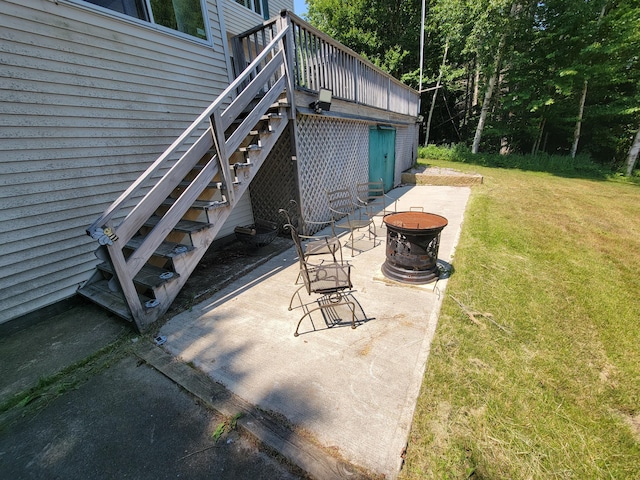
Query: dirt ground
pixel 219 267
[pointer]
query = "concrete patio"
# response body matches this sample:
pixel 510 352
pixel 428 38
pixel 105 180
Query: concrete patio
pixel 354 391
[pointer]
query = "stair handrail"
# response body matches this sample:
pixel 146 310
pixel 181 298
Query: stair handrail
pixel 217 104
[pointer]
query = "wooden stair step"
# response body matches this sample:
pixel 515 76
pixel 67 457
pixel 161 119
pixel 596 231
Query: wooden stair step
pixel 99 293
pixel 200 204
pixel 211 185
pixel 183 226
pixel 250 148
pixel 272 116
pixel 242 165
pixel 165 249
pixel 282 103
pixel 149 276
pixel 263 131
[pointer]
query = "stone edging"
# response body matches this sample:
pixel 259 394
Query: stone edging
pixel 440 176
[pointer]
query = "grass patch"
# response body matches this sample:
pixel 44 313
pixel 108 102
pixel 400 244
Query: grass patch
pixel 225 426
pixel 548 384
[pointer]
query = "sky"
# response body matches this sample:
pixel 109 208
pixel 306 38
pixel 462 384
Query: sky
pixel 299 7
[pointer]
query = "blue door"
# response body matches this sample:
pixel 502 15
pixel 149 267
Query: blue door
pixel 382 155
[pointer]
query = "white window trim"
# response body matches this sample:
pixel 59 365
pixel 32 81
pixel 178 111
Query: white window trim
pixel 85 5
pixel 252 7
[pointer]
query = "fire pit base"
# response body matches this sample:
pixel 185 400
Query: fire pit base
pixel 414 277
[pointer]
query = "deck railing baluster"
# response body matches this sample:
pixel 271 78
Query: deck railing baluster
pixel 322 62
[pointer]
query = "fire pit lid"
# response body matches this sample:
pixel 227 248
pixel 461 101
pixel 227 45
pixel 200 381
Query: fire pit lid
pixel 415 221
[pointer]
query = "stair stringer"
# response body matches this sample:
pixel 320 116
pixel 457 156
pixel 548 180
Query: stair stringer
pixel 140 268
pixel 186 264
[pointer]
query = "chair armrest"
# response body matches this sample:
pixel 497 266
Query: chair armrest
pixel 338 213
pixel 325 223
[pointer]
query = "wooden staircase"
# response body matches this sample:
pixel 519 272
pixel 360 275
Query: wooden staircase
pixel 153 236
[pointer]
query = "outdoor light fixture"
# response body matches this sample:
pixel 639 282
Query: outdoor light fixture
pixel 323 102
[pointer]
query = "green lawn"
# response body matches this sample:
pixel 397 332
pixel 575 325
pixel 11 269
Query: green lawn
pixel 534 371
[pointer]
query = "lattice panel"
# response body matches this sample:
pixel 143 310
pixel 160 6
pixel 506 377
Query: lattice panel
pixel 275 183
pixel 332 153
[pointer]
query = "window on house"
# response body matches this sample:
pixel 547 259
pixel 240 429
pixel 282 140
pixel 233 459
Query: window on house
pixel 258 6
pixel 181 15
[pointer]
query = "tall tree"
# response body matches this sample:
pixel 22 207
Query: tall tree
pixel 530 61
pixel 384 31
pixel 435 93
pixel 503 20
pixel 583 97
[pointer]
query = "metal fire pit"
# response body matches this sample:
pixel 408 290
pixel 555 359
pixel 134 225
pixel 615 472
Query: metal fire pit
pixel 412 246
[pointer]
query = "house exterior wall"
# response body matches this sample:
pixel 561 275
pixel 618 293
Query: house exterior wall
pixel 239 18
pixel 88 100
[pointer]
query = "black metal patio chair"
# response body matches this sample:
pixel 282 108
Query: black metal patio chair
pixel 329 281
pixel 371 196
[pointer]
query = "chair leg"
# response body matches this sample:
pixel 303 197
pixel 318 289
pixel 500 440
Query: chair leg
pixel 294 296
pixel 352 307
pixel 295 334
pixel 353 315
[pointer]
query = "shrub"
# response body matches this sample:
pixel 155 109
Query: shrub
pixel 582 165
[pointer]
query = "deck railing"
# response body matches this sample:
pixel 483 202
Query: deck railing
pixel 321 62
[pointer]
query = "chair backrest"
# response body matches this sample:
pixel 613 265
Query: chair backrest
pixel 370 191
pixel 296 239
pixel 304 271
pixel 340 203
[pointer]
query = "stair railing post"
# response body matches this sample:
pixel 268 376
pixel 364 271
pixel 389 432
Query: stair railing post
pixel 223 158
pixel 289 65
pixel 289 50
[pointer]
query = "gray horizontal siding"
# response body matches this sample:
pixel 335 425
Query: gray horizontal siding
pixel 275 6
pixel 87 102
pixel 238 18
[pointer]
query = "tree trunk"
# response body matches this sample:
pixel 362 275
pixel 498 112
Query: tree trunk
pixel 633 154
pixel 505 149
pixel 487 97
pixel 576 134
pixel 471 87
pixel 476 86
pixel 583 99
pixel 536 144
pixel 435 93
